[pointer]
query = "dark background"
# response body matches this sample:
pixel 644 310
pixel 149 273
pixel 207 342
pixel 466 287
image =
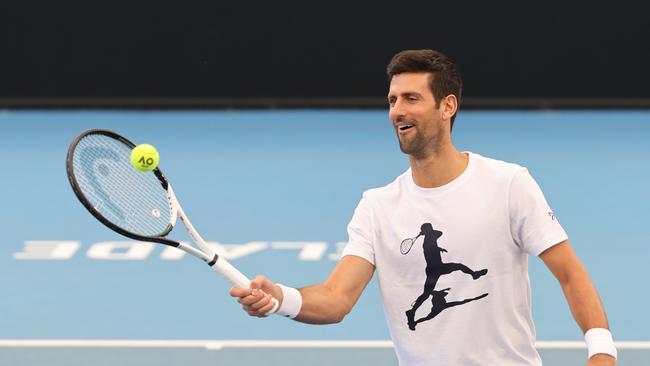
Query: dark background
pixel 512 53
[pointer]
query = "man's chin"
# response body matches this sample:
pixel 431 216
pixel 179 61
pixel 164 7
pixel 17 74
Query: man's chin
pixel 406 146
pixel 411 150
pixel 407 150
pixel 403 147
pixel 409 145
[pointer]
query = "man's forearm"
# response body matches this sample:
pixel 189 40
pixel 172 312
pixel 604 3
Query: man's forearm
pixel 584 302
pixel 332 300
pixel 321 305
pixel 578 289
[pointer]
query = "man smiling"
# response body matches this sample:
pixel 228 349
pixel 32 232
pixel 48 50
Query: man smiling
pixel 486 214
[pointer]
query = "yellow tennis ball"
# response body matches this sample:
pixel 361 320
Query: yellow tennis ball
pixel 144 157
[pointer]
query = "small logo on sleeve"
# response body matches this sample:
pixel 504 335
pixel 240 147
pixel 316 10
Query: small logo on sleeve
pixel 551 215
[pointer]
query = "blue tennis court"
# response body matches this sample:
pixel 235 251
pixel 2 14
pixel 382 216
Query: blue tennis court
pixel 274 190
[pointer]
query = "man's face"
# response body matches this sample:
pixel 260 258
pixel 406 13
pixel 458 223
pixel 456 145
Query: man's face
pixel 414 113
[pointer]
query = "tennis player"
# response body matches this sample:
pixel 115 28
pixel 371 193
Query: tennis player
pixel 480 219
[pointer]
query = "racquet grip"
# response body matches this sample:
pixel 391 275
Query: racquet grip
pixel 238 279
pixel 230 273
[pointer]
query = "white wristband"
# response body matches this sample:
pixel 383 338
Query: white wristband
pixel 599 340
pixel 291 301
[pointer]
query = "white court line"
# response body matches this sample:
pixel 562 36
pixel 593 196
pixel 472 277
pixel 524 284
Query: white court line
pixel 581 344
pixel 221 344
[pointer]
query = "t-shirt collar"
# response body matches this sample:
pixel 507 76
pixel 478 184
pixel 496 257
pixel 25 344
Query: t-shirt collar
pixel 445 188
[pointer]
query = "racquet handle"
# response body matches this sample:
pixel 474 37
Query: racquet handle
pixel 238 279
pixel 231 273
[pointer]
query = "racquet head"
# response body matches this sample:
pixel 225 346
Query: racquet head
pixel 135 204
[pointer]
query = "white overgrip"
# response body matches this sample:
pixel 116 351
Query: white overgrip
pixel 231 273
pixel 238 279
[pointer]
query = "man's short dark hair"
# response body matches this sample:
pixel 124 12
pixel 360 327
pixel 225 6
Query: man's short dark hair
pixel 445 76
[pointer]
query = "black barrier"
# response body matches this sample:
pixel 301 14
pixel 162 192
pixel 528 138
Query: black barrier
pixel 261 54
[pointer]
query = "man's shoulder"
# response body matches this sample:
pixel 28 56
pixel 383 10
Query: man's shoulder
pixel 493 166
pixel 389 190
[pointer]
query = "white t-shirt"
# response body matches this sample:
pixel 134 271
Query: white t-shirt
pixel 489 218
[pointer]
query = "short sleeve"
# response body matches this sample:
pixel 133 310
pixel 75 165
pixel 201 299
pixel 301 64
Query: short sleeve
pixel 533 224
pixel 360 233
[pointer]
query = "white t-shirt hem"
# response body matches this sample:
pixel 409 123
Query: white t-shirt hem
pixel 547 243
pixel 356 251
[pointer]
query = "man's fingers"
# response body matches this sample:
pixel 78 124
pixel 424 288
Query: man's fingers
pixel 239 292
pixel 265 309
pixel 254 306
pixel 263 302
pixel 261 312
pixel 259 282
pixel 255 297
pixel 251 299
pixel 254 300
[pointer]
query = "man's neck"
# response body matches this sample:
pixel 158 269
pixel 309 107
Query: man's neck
pixel 438 168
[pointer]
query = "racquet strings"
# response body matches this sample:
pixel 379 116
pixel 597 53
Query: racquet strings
pixel 131 200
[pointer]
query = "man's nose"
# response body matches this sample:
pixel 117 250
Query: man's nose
pixel 398 111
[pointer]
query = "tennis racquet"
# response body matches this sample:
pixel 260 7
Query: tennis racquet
pixel 141 206
pixel 407 244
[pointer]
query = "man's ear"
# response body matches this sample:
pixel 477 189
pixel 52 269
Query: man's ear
pixel 448 106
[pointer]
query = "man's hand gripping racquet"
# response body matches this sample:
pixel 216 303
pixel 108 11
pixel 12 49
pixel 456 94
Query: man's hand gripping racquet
pixel 141 206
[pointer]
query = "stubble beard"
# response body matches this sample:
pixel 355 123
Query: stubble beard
pixel 414 146
pixel 419 146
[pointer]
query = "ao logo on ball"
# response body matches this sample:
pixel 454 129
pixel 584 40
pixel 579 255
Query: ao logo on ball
pixel 144 157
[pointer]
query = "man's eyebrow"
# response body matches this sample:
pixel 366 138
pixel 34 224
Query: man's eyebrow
pixel 405 94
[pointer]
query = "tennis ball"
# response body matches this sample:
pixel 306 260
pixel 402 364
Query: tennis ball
pixel 144 157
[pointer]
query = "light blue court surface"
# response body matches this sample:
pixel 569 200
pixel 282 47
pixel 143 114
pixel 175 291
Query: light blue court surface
pixel 276 189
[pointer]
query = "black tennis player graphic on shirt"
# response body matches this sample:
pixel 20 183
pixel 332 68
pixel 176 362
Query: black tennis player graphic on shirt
pixel 436 268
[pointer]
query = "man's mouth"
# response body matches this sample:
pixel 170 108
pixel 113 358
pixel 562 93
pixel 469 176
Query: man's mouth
pixel 405 127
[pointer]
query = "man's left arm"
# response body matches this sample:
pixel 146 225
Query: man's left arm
pixel 580 293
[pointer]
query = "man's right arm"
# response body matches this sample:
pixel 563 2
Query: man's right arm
pixel 326 303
